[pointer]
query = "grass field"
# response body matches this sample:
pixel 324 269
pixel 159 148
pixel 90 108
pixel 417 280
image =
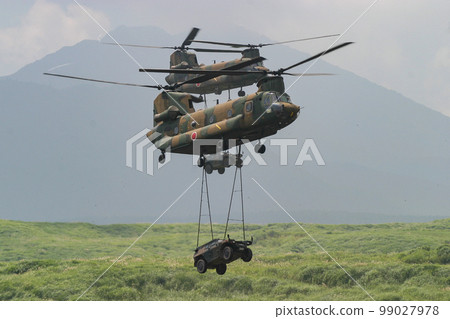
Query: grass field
pixel 59 261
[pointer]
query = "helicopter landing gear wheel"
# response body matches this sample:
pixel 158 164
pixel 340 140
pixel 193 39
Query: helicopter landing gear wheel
pixel 260 148
pixel 241 93
pixel 221 170
pixel 201 161
pixel 162 158
pixel 239 163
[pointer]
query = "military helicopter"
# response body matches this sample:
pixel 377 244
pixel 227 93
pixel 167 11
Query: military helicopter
pixel 184 67
pixel 255 116
pixel 258 115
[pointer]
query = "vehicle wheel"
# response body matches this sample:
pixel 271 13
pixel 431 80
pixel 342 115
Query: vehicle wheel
pixel 208 168
pixel 201 161
pixel 162 158
pixel 260 148
pixel 241 93
pixel 201 266
pixel 221 170
pixel 248 254
pixel 221 269
pixel 227 253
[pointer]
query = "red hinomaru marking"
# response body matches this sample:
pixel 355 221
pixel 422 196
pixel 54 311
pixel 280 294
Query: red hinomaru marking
pixel 197 84
pixel 194 135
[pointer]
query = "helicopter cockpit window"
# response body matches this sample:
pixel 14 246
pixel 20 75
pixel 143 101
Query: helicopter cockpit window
pixel 284 98
pixel 249 106
pixel 269 99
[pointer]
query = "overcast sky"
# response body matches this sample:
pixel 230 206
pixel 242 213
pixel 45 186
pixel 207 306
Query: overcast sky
pixel 403 45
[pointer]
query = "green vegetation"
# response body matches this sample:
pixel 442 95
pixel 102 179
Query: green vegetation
pixel 58 261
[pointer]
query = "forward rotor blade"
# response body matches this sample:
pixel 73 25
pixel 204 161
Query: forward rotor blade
pixel 101 81
pixel 194 71
pixel 280 71
pixel 228 72
pixel 298 40
pixel 191 36
pixel 243 64
pixel 225 71
pixel 308 74
pixel 242 45
pixel 211 75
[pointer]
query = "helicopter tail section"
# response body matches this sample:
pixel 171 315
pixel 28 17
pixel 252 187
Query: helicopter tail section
pixel 173 103
pixel 183 60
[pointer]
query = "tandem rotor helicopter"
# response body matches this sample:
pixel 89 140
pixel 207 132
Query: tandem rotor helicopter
pixel 184 67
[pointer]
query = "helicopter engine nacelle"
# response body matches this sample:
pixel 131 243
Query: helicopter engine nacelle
pixel 271 83
pixel 168 115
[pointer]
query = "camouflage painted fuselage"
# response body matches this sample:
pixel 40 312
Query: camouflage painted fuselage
pixel 187 60
pixel 251 117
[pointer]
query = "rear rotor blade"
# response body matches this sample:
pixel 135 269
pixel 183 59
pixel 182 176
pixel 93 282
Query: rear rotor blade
pixel 214 50
pixel 139 46
pixel 173 48
pixel 282 70
pixel 229 44
pixel 101 81
pixel 191 36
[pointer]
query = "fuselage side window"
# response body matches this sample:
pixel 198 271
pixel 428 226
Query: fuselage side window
pixel 249 106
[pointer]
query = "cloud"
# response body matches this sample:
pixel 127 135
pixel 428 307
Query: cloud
pixel 44 29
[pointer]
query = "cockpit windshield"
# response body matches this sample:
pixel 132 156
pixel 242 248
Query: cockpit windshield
pixel 284 98
pixel 269 99
pixel 273 97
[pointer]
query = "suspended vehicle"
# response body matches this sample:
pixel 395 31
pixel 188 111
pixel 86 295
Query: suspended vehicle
pixel 217 253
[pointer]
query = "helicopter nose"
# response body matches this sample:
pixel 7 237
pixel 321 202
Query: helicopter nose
pixel 291 110
pixel 285 110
